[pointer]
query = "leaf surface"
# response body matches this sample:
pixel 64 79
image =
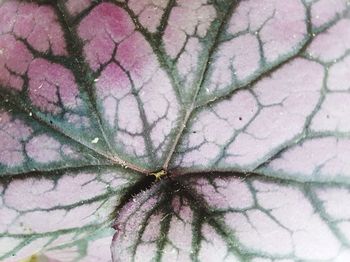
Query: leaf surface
pixel 198 130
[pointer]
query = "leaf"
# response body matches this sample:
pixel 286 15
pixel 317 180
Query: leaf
pixel 234 218
pixel 209 130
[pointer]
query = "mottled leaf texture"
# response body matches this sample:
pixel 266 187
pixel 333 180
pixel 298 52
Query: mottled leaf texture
pixel 174 130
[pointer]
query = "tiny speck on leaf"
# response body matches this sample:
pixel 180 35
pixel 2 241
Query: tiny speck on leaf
pixel 95 140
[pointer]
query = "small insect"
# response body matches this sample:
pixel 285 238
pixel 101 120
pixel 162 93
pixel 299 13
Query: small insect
pixel 159 174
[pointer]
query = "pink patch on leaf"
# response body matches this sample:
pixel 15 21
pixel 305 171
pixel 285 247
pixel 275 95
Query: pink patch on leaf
pixel 38 25
pixel 51 86
pixel 113 81
pixel 149 12
pixel 76 6
pixel 112 86
pixel 14 61
pixel 104 28
pixel 136 56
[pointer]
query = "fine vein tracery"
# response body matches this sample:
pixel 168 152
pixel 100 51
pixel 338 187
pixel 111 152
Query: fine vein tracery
pixel 172 123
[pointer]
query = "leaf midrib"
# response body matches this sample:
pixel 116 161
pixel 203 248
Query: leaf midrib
pixel 201 79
